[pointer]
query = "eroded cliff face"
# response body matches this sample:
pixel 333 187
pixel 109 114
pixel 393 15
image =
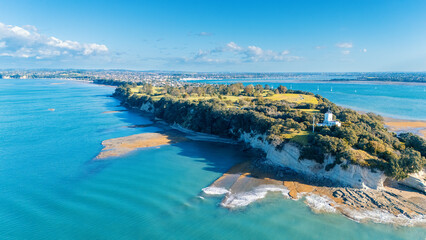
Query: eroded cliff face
pixel 416 181
pixel 147 107
pixel 353 175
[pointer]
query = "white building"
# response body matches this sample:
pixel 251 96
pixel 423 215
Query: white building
pixel 328 120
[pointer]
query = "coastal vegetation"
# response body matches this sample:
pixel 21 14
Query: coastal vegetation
pixel 281 116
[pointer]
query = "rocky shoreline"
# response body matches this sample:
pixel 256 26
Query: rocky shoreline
pixel 248 182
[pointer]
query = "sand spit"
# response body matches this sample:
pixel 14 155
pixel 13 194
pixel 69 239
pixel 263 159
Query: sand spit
pixel 116 147
pixel 400 125
pixel 123 145
pixel 247 182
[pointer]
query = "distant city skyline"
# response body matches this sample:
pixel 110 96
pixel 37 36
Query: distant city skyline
pixel 215 36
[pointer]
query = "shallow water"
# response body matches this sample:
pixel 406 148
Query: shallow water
pixel 52 189
pixel 405 101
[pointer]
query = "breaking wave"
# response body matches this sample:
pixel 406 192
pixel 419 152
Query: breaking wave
pixel 215 191
pixel 382 216
pixel 320 203
pixel 242 199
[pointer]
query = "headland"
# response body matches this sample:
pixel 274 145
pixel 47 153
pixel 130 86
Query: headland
pixel 359 169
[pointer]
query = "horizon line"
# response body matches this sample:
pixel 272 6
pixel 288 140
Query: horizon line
pixel 183 71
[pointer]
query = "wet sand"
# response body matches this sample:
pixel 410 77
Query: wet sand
pixel 401 125
pixel 123 145
pixel 246 183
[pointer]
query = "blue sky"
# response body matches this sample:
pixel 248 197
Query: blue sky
pixel 261 36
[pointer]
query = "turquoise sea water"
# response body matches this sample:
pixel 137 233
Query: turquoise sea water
pixel 405 101
pixel 50 188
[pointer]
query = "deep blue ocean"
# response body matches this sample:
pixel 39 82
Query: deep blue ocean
pixel 51 188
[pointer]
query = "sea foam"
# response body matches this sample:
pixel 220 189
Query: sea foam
pixel 320 203
pixel 242 199
pixel 382 216
pixel 215 191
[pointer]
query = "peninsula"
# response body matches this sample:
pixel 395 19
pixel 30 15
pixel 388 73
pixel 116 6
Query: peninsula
pixel 346 149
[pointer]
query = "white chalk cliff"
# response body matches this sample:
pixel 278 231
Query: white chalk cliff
pixel 416 181
pixel 353 175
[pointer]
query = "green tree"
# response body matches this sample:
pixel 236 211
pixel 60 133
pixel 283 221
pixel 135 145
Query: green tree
pixel 258 88
pixel 411 161
pixel 249 90
pixel 282 89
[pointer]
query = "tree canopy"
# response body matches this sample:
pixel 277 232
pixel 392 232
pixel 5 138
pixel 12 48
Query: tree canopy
pixel 362 139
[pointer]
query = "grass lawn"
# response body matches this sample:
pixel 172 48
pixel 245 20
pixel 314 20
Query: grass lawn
pixel 289 97
pixel 293 97
pixel 300 137
pixel 310 110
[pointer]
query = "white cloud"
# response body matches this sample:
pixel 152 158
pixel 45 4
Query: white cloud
pixel 233 53
pixel 344 45
pixel 233 47
pixel 346 52
pixel 364 50
pixel 27 42
pixel 204 34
